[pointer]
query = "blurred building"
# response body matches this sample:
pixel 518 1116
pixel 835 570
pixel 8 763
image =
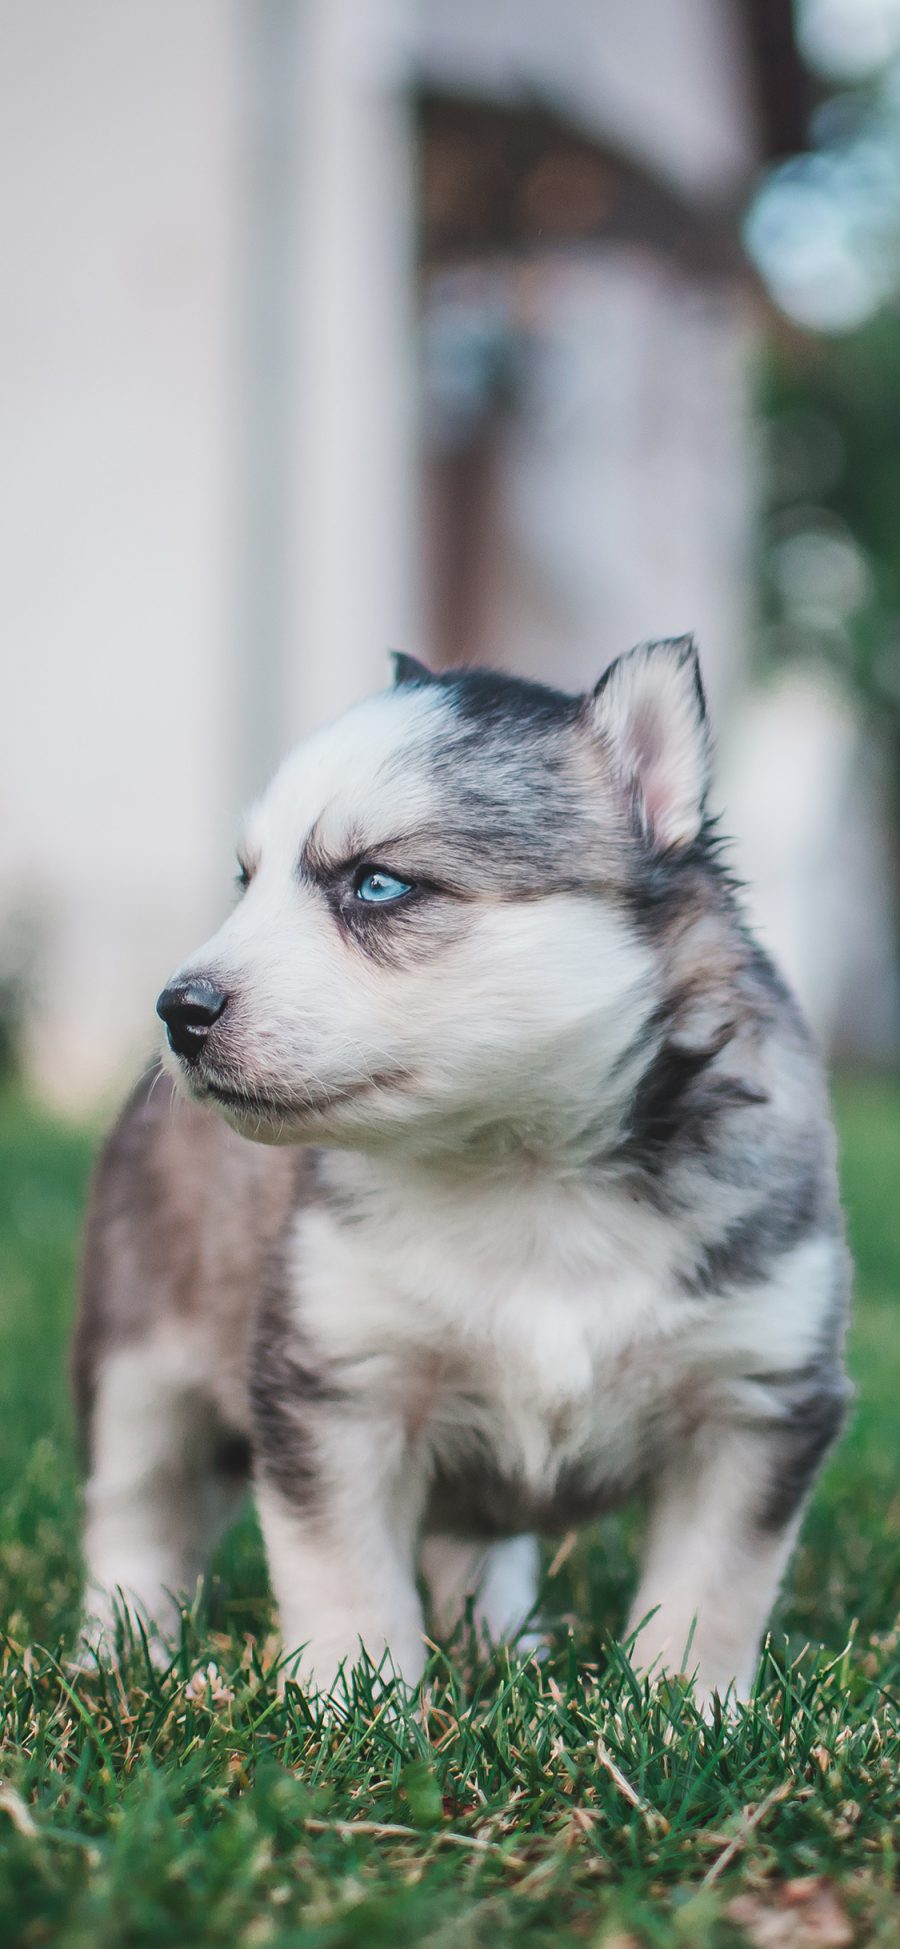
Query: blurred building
pixel 334 325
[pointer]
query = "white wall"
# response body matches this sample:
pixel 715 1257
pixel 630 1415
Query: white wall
pixel 352 582
pixel 116 392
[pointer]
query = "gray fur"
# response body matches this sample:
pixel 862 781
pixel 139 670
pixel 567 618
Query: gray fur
pixel 182 1217
pixel 816 1415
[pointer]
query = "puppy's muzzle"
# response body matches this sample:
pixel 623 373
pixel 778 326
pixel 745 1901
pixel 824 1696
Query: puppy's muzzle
pixel 189 1010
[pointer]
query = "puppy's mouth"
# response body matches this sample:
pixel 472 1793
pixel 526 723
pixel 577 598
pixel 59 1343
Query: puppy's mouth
pixel 292 1109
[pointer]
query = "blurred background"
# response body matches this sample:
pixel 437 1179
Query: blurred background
pixel 508 333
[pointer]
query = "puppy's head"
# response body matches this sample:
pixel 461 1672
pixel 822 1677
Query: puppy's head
pixel 438 927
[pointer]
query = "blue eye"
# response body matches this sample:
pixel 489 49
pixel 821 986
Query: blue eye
pixel 378 888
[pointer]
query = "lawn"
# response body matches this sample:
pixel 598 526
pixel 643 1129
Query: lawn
pixel 526 1804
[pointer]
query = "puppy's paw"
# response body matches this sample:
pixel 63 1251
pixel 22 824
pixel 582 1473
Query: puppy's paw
pixel 336 1688
pixel 111 1629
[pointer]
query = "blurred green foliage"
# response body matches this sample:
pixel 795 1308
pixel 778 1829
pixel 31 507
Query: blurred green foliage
pixel 824 230
pixel 831 540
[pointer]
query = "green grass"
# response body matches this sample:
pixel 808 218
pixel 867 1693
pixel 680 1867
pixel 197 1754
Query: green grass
pixel 526 1804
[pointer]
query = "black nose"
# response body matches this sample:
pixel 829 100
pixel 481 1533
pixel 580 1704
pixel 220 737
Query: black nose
pixel 189 1009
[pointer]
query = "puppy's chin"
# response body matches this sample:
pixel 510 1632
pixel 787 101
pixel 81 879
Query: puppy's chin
pixel 260 1113
pixel 261 1126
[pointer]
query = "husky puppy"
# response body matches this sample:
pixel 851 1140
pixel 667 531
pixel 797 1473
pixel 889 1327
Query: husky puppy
pixel 547 1217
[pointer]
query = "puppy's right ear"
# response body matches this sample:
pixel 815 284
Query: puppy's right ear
pixel 408 670
pixel 650 712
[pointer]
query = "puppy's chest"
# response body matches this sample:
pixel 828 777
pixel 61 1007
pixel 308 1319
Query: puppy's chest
pixel 550 1386
pixel 517 1358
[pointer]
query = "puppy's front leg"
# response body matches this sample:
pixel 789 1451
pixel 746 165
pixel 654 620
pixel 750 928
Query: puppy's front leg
pixel 721 1531
pixel 339 1500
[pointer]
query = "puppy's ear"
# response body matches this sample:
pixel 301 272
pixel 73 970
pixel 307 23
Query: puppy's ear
pixel 408 670
pixel 650 713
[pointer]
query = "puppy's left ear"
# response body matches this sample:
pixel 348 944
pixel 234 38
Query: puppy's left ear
pixel 650 713
pixel 408 670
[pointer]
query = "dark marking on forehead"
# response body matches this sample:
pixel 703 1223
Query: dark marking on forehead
pixel 511 814
pixel 491 700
